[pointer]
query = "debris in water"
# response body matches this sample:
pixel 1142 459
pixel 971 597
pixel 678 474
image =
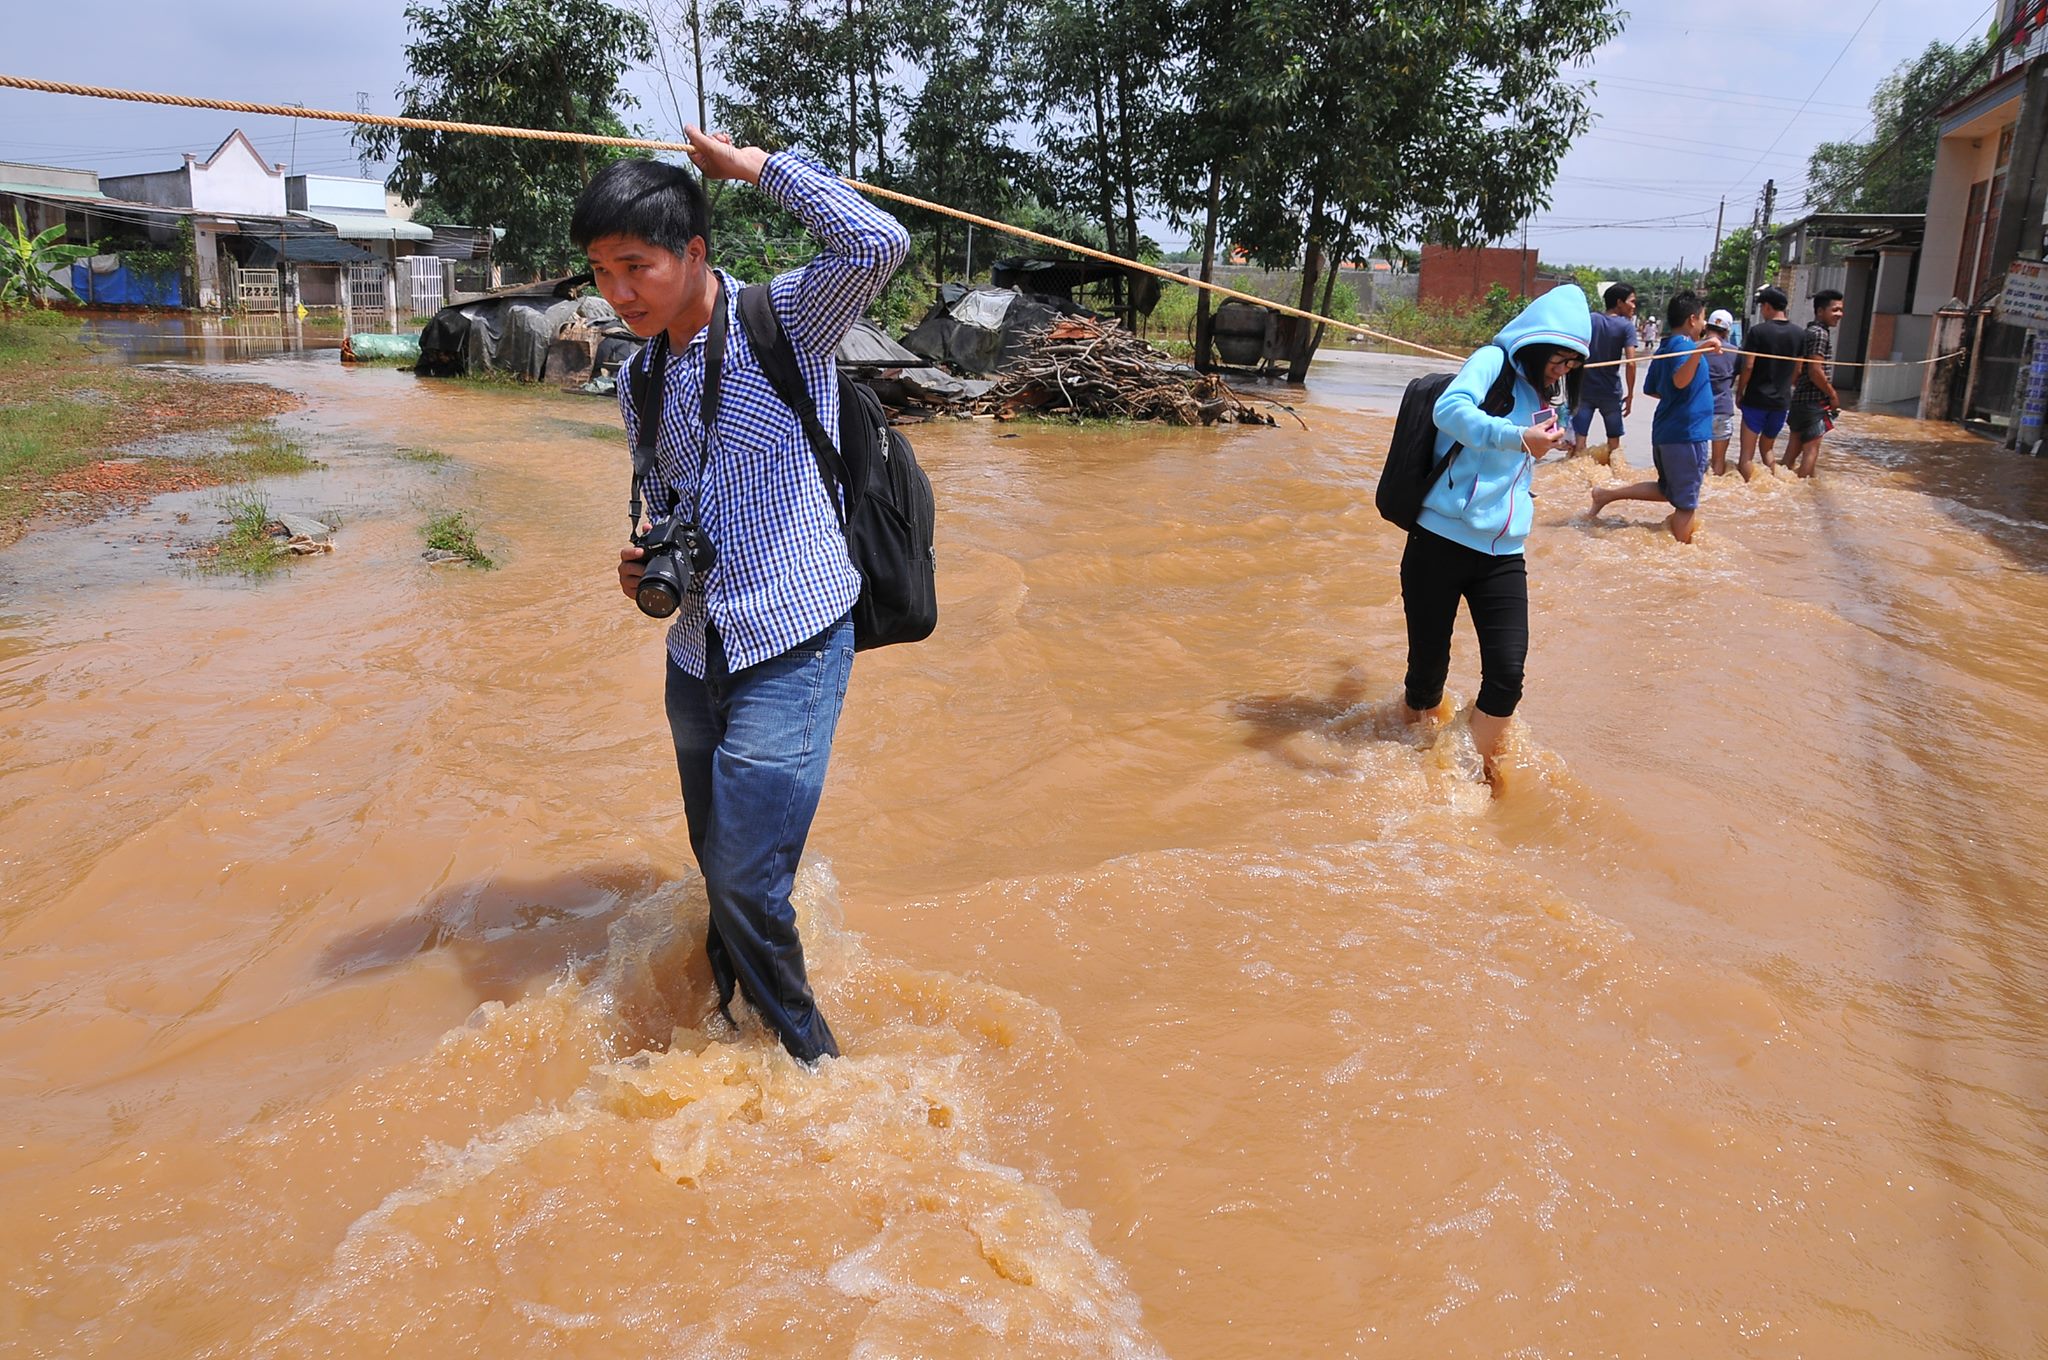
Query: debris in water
pixel 1083 366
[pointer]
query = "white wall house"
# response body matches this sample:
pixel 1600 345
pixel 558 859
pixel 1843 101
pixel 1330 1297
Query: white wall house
pixel 235 182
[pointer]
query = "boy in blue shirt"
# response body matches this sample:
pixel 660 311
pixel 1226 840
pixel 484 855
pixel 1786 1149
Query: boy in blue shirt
pixel 1682 431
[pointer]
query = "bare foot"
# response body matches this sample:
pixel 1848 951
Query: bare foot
pixel 1601 498
pixel 1435 717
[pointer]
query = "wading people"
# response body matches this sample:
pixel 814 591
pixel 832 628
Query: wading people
pixel 1600 389
pixel 1814 403
pixel 1722 366
pixel 1683 425
pixel 1467 543
pixel 761 649
pixel 1763 389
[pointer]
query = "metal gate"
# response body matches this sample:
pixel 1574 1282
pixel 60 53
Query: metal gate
pixel 363 287
pixel 256 290
pixel 421 283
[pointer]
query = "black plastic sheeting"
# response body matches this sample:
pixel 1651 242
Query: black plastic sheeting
pixel 983 330
pixel 511 333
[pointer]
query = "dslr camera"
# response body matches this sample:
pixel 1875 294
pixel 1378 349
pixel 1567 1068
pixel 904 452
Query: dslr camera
pixel 677 552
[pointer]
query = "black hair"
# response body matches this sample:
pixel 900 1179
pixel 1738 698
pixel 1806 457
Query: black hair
pixel 1682 309
pixel 1534 359
pixel 659 203
pixel 1825 296
pixel 1770 295
pixel 1618 293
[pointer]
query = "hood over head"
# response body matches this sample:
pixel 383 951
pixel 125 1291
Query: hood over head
pixel 1559 318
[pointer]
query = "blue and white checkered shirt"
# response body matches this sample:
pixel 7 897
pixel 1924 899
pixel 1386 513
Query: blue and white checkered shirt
pixel 782 573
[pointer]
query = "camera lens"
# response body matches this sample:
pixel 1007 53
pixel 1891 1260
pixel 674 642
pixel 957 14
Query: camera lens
pixel 660 593
pixel 657 599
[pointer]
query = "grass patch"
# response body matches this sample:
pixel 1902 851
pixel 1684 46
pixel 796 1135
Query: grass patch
pixel 409 453
pixel 61 414
pixel 247 548
pixel 453 533
pixel 498 380
pixel 610 434
pixel 259 449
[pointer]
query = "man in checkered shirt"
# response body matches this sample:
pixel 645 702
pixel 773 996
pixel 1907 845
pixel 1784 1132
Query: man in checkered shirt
pixel 762 647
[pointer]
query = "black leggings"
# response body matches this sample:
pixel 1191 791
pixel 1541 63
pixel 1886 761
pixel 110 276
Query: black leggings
pixel 1435 574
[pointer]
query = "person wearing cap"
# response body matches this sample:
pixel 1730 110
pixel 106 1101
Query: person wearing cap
pixel 1763 389
pixel 1721 369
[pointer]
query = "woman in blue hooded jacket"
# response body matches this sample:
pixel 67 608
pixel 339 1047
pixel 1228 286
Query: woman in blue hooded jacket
pixel 1467 543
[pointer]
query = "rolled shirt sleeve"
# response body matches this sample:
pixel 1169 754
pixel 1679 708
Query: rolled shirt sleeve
pixel 862 246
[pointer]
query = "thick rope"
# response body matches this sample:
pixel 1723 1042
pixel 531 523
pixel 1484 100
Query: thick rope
pixel 646 144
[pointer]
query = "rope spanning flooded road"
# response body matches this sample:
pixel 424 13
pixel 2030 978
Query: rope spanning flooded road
pixel 1192 1006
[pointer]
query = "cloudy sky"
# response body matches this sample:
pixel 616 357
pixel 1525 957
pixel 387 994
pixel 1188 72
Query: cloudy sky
pixel 1694 103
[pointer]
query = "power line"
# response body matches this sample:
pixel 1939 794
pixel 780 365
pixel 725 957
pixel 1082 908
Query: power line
pixel 1794 119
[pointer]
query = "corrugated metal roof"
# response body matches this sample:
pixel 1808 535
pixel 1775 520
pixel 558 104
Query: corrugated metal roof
pixel 305 249
pixel 45 191
pixel 370 226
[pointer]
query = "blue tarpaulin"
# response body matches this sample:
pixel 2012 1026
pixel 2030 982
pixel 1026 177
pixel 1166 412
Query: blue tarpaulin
pixel 124 287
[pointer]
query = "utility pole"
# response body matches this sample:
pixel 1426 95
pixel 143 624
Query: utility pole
pixel 697 48
pixel 852 95
pixel 1757 251
pixel 1715 253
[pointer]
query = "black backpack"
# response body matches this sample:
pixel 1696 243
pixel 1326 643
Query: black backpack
pixel 1412 465
pixel 889 516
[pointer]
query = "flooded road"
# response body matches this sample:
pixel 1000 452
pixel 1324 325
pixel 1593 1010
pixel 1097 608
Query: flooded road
pixel 349 937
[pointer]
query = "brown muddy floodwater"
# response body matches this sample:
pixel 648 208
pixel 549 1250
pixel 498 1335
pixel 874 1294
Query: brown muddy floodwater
pixel 353 1003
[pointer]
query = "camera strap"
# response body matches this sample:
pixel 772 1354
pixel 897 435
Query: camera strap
pixel 649 392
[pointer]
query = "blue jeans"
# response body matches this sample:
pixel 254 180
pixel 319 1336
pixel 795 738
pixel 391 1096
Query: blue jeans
pixel 751 749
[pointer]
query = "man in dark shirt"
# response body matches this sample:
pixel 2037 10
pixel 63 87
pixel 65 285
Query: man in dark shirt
pixel 1600 389
pixel 1764 387
pixel 1814 403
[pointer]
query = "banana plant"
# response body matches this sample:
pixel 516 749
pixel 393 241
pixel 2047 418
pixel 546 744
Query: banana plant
pixel 29 264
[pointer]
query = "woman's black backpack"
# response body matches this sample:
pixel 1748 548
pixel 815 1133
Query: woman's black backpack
pixel 1412 464
pixel 888 513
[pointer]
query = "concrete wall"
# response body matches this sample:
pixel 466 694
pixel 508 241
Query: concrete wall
pixel 1909 338
pixel 1962 158
pixel 335 193
pixel 164 188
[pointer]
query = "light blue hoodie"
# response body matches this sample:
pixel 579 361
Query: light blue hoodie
pixel 1482 500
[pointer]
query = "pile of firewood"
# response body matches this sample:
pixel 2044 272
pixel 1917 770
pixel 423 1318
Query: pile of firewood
pixel 1084 367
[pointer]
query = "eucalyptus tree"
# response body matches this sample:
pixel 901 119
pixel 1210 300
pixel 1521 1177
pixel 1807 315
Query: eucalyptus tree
pixel 1394 120
pixel 552 64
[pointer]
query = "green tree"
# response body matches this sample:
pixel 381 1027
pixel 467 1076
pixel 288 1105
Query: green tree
pixel 528 63
pixel 1392 120
pixel 959 121
pixel 1728 275
pixel 1099 123
pixel 31 264
pixel 1891 170
pixel 809 74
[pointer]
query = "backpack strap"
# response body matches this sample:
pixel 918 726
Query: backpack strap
pixel 1501 394
pixel 646 390
pixel 777 357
